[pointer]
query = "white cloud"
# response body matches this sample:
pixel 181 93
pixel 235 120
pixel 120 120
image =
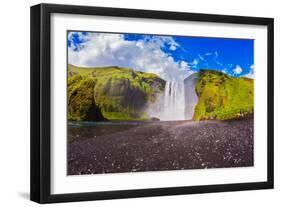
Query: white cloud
pixel 82 38
pixel 237 70
pixel 184 65
pixel 200 56
pixel 173 47
pixel 194 63
pixel 102 49
pixel 251 74
pixel 199 59
pixel 164 40
pixel 216 54
pixel 225 70
pixel 210 57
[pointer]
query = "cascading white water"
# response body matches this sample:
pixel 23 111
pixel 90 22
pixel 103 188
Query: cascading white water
pixel 174 101
pixel 178 100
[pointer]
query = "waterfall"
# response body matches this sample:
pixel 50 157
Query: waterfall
pixel 178 100
pixel 174 101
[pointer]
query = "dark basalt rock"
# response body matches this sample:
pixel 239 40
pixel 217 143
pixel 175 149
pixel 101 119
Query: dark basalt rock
pixel 154 119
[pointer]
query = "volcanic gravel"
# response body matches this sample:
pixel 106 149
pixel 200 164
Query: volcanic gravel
pixel 157 146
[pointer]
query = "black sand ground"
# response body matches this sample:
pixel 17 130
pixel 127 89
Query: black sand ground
pixel 163 146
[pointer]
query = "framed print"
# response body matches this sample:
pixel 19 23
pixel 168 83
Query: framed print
pixel 133 103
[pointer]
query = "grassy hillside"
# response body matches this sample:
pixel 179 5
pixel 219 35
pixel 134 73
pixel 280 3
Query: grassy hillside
pixel 223 97
pixel 112 93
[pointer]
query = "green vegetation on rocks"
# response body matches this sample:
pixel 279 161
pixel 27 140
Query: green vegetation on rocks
pixel 110 93
pixel 223 97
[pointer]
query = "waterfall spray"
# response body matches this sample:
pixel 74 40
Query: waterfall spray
pixel 174 101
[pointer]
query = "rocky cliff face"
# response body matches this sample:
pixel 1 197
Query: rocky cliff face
pixel 114 93
pixel 190 95
pixel 223 97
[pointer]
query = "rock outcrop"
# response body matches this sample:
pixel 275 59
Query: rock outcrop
pixel 223 97
pixel 190 95
pixel 113 93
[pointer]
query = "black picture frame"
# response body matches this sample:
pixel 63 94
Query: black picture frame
pixel 41 98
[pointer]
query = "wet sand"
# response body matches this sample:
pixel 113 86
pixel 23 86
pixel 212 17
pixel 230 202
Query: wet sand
pixel 157 146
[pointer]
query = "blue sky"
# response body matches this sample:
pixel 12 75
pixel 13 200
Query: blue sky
pixel 162 54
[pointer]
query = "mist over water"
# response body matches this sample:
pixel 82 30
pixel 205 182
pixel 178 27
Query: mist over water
pixel 190 95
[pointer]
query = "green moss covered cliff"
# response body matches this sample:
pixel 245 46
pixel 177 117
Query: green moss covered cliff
pixel 223 97
pixel 110 93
